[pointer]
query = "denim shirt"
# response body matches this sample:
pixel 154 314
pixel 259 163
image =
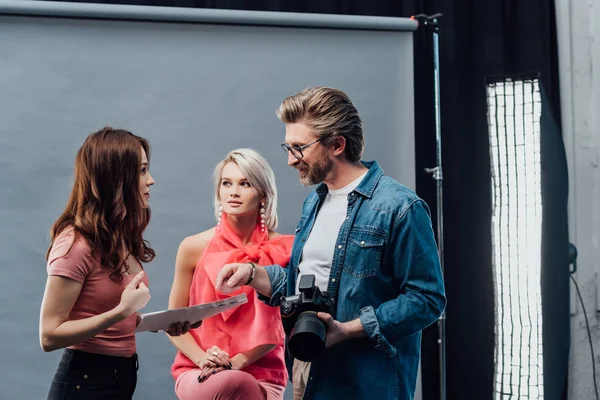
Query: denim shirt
pixel 386 272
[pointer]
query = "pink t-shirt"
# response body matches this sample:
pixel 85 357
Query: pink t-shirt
pixel 98 294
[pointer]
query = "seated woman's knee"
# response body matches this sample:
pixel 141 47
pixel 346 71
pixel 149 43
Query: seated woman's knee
pixel 241 382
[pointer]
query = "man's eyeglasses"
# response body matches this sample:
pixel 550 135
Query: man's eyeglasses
pixel 297 150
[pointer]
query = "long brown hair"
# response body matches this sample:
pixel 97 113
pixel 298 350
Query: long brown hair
pixel 105 206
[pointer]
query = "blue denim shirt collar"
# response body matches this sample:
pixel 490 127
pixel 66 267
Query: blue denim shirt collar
pixel 367 185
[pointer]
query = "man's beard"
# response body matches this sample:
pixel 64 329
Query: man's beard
pixel 315 174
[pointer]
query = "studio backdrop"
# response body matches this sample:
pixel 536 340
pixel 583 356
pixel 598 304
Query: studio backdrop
pixel 197 84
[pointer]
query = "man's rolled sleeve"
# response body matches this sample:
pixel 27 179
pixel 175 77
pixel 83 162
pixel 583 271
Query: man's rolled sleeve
pixel 421 298
pixel 278 278
pixel 373 332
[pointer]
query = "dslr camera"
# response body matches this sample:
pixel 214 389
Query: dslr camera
pixel 305 330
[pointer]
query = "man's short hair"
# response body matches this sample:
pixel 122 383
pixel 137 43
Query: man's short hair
pixel 330 113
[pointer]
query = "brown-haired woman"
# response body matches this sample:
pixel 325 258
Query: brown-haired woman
pixel 96 282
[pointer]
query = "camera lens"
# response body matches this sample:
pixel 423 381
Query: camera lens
pixel 307 340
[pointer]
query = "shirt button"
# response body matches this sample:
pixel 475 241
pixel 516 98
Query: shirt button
pixel 362 242
pixel 339 246
pixel 352 194
pixel 85 377
pixel 333 280
pixel 77 387
pixel 347 217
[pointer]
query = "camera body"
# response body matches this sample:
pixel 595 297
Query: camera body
pixel 306 331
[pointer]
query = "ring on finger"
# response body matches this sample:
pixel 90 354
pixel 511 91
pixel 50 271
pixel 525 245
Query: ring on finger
pixel 214 353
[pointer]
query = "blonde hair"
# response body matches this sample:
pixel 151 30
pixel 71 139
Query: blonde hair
pixel 330 113
pixel 259 174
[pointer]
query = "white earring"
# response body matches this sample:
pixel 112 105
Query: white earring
pixel 262 217
pixel 220 215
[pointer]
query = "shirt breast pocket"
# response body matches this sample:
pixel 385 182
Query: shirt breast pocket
pixel 364 251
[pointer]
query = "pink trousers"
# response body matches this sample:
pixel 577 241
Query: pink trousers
pixel 228 384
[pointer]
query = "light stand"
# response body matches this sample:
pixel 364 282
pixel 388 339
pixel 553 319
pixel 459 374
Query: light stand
pixel 431 21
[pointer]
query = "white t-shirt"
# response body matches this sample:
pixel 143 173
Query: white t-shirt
pixel 317 255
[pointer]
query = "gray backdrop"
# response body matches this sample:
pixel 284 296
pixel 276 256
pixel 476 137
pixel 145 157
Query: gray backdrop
pixel 196 91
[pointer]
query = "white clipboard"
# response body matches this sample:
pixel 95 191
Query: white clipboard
pixel 162 320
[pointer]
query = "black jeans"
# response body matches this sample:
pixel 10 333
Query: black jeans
pixel 88 376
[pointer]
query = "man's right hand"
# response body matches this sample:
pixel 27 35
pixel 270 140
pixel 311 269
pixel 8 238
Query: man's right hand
pixel 232 277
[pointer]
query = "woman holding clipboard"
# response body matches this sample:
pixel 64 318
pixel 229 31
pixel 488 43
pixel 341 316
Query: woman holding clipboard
pixel 96 282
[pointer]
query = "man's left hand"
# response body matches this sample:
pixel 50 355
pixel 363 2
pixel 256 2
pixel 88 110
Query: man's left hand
pixel 336 332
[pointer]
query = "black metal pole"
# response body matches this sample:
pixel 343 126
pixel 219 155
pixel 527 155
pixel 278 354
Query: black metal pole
pixel 437 174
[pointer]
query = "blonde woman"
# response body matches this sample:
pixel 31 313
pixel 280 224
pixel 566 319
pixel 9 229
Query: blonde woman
pixel 237 354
